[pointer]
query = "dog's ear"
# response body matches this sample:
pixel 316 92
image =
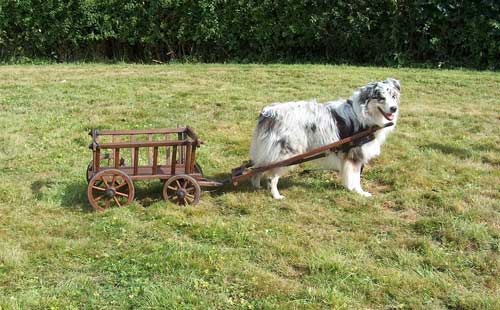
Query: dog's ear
pixel 395 83
pixel 366 92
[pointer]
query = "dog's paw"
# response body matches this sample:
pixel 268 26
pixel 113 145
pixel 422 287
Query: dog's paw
pixel 278 197
pixel 365 194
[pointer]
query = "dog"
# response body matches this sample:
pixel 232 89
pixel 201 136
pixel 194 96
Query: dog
pixel 287 129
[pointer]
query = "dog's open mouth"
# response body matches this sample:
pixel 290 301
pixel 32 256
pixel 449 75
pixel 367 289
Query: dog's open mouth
pixel 388 116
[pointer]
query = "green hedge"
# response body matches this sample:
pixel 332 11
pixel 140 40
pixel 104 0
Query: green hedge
pixel 385 32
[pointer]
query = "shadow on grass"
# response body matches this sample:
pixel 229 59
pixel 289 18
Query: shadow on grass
pixel 40 187
pixel 74 197
pixel 461 153
pixel 148 192
pixel 465 153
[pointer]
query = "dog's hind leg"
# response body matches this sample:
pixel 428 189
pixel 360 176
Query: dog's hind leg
pixel 351 177
pixel 256 180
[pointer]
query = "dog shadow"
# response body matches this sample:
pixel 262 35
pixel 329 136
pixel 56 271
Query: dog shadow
pixel 461 153
pixel 464 153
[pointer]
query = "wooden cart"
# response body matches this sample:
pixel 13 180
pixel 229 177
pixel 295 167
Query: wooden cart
pixel 171 156
pixel 130 155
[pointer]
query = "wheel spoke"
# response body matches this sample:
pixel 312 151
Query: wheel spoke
pixel 104 181
pixel 121 185
pixel 110 188
pixel 121 194
pixel 185 186
pixel 117 202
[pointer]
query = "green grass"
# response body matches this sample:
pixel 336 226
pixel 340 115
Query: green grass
pixel 429 238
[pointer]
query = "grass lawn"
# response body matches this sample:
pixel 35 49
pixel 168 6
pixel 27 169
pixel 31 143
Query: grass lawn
pixel 429 238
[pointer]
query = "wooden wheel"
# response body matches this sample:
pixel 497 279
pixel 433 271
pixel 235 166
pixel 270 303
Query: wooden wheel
pixel 88 172
pixel 182 189
pixel 108 188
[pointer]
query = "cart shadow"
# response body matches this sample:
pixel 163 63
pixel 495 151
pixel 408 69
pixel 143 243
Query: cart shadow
pixel 72 196
pixel 75 197
pixel 148 192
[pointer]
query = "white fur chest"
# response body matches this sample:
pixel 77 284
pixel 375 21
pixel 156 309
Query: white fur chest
pixel 370 150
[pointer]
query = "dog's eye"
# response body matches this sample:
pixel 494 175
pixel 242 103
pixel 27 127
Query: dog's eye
pixel 394 97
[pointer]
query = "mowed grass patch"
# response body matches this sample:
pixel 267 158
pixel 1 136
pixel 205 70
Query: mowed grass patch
pixel 429 238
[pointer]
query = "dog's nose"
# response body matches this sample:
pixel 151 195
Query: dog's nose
pixel 394 109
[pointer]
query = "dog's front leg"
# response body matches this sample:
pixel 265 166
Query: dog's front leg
pixel 274 187
pixel 351 176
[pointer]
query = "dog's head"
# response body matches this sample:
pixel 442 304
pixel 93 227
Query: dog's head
pixel 380 101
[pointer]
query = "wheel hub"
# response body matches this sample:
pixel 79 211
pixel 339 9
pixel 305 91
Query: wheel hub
pixel 181 193
pixel 110 193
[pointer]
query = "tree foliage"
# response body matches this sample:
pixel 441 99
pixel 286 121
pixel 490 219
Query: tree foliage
pixel 386 32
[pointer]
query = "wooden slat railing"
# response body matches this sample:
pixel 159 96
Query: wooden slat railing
pixel 140 131
pixel 123 145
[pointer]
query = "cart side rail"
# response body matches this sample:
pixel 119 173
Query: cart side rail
pixel 137 144
pixel 180 148
pixel 141 131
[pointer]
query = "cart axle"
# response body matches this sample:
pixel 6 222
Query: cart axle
pixel 110 193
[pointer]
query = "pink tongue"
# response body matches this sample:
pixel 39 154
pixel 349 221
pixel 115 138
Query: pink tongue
pixel 390 116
